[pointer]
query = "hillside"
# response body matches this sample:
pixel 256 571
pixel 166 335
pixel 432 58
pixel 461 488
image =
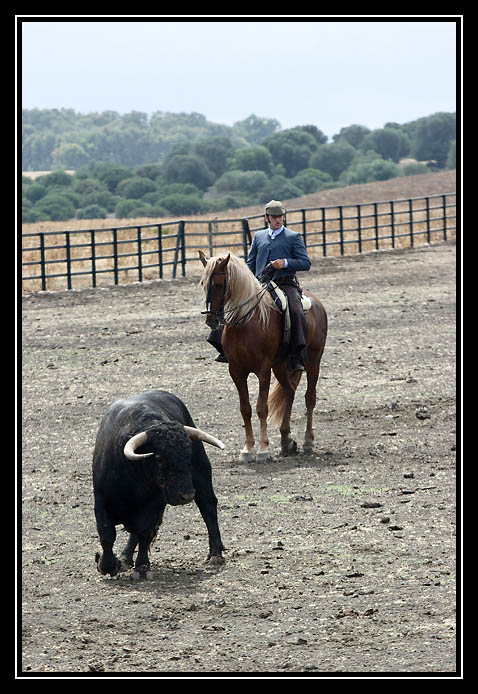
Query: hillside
pixel 377 191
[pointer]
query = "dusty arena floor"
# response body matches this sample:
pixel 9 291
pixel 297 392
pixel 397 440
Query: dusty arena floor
pixel 339 562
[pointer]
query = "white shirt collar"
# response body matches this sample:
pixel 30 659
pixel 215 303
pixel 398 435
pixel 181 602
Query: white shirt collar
pixel 273 233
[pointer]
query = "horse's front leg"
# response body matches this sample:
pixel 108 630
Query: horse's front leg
pixel 247 453
pixel 262 411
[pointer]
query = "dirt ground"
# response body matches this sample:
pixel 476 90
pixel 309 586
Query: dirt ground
pixel 338 563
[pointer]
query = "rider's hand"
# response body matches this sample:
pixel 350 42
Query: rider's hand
pixel 278 264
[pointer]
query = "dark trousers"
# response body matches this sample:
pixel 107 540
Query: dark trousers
pixel 298 321
pixel 298 328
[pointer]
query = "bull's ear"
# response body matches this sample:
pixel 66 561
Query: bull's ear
pixel 202 258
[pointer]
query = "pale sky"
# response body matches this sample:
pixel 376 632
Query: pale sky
pixel 299 71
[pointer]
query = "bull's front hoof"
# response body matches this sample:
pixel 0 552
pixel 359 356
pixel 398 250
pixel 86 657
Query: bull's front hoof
pixel 215 560
pixel 142 572
pixel 109 566
pixel 289 448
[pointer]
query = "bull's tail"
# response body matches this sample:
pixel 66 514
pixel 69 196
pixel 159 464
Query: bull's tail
pixel 276 401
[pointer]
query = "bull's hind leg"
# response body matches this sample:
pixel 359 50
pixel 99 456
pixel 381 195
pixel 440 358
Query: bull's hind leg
pixel 313 366
pixel 126 556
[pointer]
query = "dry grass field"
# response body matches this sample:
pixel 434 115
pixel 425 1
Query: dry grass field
pixel 88 250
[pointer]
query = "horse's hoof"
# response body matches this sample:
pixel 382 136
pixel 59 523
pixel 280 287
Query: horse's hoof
pixel 263 457
pixel 246 457
pixel 308 448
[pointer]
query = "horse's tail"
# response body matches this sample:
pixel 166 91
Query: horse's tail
pixel 276 401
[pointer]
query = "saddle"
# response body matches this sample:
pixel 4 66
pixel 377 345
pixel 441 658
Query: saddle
pixel 280 299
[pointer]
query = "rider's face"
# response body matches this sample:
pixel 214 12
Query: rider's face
pixel 275 222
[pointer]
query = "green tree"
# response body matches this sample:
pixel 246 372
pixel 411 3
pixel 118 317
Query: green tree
pixel 254 129
pixel 432 138
pixel 56 206
pixel 69 155
pixel 256 158
pixel 311 180
pixel 385 141
pixel 92 212
pixel 135 187
pixel 292 148
pixel 353 134
pixel 35 192
pixel 451 157
pixel 214 151
pixel 188 168
pixel 333 158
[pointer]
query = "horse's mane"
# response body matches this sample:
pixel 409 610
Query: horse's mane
pixel 242 285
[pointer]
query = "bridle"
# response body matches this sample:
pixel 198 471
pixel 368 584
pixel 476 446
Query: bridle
pixel 219 279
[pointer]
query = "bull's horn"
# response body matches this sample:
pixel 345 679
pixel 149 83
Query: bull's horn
pixel 135 442
pixel 203 436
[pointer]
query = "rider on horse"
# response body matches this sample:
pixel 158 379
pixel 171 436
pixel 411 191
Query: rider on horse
pixel 284 251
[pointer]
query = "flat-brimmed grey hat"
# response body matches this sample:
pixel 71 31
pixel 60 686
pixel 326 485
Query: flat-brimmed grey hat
pixel 275 208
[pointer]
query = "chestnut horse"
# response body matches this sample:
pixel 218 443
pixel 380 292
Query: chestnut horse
pixel 253 343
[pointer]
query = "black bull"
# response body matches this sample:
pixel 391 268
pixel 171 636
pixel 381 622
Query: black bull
pixel 148 454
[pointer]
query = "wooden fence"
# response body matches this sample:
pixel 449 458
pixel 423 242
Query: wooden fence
pixel 71 259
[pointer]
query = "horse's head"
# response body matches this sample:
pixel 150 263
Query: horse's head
pixel 214 283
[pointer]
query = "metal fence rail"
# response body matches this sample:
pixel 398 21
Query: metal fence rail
pixel 71 259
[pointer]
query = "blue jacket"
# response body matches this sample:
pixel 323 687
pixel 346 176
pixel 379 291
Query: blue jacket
pixel 288 244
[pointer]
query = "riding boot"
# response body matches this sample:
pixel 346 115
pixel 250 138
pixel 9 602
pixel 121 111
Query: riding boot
pixel 214 338
pixel 295 363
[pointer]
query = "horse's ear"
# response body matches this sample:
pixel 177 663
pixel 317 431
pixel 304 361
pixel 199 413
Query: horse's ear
pixel 222 264
pixel 202 258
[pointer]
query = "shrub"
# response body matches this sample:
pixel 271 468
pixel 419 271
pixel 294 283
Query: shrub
pixel 59 178
pixel 92 212
pixel 124 207
pixel 184 204
pixel 135 188
pixel 311 180
pixel 35 192
pixel 56 206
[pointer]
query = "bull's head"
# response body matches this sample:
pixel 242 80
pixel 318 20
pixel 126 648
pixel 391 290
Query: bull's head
pixel 171 469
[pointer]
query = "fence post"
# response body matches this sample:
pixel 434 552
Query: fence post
pixel 410 212
pixel 359 227
pixel 341 223
pixel 140 259
pixel 115 255
pixel 427 206
pixel 444 216
pixel 246 237
pixel 304 228
pixel 392 222
pixel 179 242
pixel 68 260
pixel 93 258
pixel 160 250
pixel 210 239
pixel 324 240
pixel 183 248
pixel 42 260
pixel 375 219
